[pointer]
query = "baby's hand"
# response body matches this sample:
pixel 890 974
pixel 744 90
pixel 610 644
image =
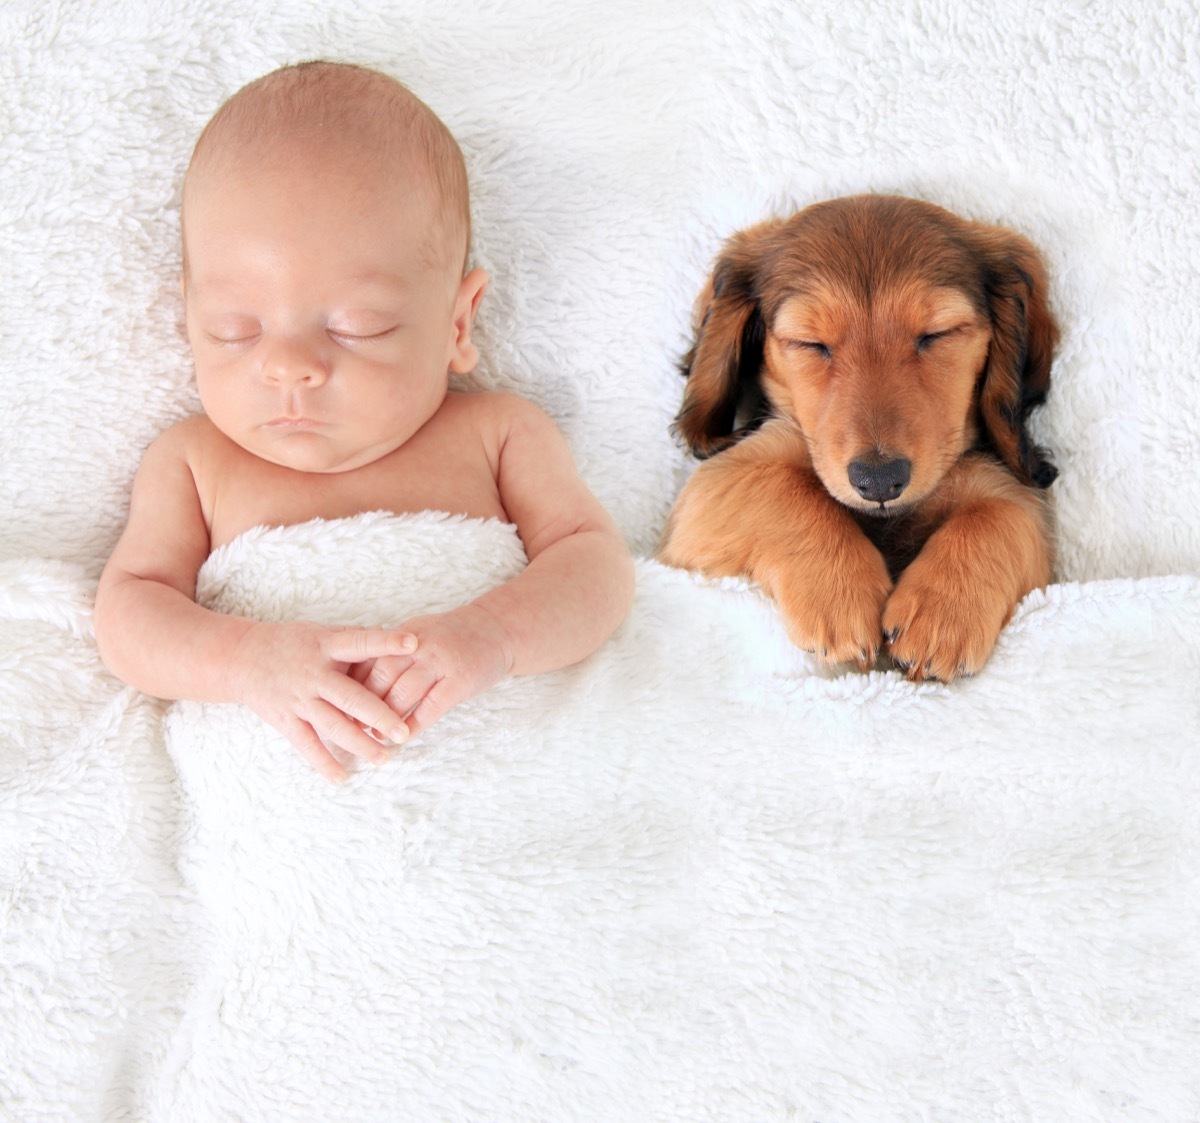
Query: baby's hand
pixel 296 677
pixel 459 654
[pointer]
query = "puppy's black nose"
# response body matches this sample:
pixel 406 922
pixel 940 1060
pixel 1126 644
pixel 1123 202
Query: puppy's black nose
pixel 878 483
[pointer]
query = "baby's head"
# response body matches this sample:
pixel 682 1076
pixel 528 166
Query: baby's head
pixel 325 231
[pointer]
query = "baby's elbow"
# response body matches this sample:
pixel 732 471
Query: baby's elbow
pixel 613 576
pixel 106 621
pixel 624 575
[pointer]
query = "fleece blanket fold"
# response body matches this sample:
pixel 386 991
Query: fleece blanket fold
pixel 696 877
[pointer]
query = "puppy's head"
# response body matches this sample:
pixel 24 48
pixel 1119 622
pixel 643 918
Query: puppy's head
pixel 894 334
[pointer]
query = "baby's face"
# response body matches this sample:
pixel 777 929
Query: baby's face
pixel 322 332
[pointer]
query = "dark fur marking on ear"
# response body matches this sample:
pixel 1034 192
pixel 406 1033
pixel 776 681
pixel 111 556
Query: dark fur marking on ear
pixel 1026 334
pixel 746 396
pixel 1031 399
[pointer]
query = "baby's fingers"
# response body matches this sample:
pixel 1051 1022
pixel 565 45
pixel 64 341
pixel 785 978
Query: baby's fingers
pixel 335 727
pixel 304 738
pixel 432 707
pixel 409 690
pixel 355 703
pixel 432 704
pixel 360 672
pixel 357 645
pixel 385 673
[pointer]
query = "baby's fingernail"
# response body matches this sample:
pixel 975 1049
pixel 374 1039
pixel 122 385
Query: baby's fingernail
pixel 408 644
pixel 400 733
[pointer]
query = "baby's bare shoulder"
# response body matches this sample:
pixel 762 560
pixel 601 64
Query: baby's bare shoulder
pixel 186 437
pixel 193 448
pixel 488 406
pixel 496 415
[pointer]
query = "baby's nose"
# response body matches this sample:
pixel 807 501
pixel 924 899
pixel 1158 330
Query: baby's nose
pixel 292 361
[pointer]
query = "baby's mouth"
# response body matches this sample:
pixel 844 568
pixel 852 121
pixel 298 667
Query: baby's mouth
pixel 299 423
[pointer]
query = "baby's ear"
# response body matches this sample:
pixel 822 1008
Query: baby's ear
pixel 463 352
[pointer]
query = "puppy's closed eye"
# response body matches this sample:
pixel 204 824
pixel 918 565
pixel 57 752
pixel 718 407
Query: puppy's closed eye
pixel 924 342
pixel 817 348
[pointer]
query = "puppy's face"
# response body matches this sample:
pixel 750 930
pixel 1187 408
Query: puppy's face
pixel 896 335
pixel 882 384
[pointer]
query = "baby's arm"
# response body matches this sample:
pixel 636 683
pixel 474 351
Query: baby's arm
pixel 571 597
pixel 153 635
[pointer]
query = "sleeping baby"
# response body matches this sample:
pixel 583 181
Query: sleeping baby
pixel 325 234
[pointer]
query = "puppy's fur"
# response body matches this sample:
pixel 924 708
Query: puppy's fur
pixel 881 355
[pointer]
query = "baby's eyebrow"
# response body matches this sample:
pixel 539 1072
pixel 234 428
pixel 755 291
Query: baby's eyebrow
pixel 378 279
pixel 360 288
pixel 219 287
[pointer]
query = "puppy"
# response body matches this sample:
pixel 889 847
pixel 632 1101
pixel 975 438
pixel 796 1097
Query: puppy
pixel 882 355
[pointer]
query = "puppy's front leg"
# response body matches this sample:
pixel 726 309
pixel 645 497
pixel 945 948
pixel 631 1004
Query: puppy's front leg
pixel 992 548
pixel 745 514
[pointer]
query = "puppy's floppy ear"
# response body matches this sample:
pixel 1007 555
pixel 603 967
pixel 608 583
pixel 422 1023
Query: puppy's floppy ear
pixel 1024 336
pixel 726 357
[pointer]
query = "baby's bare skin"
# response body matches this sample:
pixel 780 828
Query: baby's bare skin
pixel 324 326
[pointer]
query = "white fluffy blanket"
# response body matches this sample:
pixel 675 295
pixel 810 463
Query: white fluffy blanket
pixel 688 879
pixel 696 877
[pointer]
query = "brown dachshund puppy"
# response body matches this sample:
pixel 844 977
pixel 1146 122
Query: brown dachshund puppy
pixel 882 354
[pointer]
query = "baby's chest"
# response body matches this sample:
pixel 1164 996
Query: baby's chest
pixel 255 493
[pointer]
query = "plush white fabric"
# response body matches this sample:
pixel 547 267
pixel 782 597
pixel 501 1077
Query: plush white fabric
pixel 688 879
pixel 696 877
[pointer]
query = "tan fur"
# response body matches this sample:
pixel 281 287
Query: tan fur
pixel 878 330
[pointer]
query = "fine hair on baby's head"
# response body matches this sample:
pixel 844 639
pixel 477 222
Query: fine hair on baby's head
pixel 321 110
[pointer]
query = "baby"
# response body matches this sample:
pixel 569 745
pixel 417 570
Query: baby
pixel 325 235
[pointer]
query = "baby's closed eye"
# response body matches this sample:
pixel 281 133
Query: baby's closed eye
pixel 348 336
pixel 232 329
pixel 363 325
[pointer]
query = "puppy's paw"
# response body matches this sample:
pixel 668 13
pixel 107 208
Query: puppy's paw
pixel 835 610
pixel 942 625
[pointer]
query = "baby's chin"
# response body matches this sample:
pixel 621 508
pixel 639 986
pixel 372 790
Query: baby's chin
pixel 314 452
